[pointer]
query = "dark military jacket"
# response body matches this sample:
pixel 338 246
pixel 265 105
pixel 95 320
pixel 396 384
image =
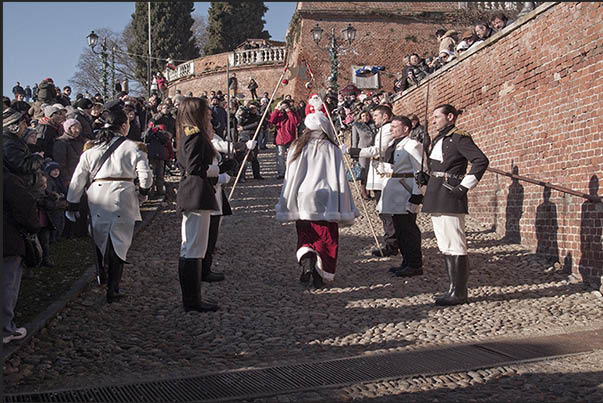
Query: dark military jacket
pixel 195 191
pixel 458 149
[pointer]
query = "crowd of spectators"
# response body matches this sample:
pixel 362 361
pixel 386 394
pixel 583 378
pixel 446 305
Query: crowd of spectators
pixel 452 44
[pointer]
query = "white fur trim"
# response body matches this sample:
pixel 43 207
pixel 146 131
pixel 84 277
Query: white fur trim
pixel 325 275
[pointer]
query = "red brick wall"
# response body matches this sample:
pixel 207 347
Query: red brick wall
pixel 210 74
pixel 532 99
pixel 385 32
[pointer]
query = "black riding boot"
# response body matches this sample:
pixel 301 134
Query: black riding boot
pixel 116 267
pixel 307 263
pixel 102 273
pixel 189 272
pixel 459 274
pixel 206 274
pixel 448 262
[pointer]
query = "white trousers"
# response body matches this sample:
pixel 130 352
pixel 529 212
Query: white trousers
pixel 449 230
pixel 195 234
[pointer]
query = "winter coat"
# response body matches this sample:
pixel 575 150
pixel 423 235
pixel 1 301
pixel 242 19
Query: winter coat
pixel 286 126
pixel 114 205
pixel 249 122
pixel 315 186
pixel 19 215
pixel 66 152
pixel 19 160
pixel 47 135
pixel 363 135
pixel 447 42
pixel 218 120
pixel 156 139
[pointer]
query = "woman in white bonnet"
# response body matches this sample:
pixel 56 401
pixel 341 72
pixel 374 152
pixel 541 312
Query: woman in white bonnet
pixel 317 196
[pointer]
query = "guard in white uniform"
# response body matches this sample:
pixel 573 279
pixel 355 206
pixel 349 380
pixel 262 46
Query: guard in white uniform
pixel 401 195
pixel 112 196
pixel 374 180
pixel 446 196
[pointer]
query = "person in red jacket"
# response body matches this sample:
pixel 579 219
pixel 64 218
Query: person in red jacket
pixel 286 121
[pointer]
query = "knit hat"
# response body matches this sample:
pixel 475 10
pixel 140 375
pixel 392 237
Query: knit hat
pixel 29 132
pixel 11 116
pixel 84 103
pixel 70 122
pixel 50 165
pixel 50 110
pixel 114 105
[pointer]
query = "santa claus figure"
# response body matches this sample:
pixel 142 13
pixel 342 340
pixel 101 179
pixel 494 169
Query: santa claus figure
pixel 315 103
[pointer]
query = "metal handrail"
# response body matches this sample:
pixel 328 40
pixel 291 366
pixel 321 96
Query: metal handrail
pixel 562 189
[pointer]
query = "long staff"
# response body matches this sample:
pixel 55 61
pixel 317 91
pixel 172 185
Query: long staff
pixel 347 162
pixel 257 130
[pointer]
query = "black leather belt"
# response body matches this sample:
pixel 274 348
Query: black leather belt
pixel 445 175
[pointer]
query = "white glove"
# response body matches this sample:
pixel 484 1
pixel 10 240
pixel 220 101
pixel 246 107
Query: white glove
pixel 223 178
pixel 413 208
pixel 251 144
pixel 72 215
pixel 142 198
pixel 344 149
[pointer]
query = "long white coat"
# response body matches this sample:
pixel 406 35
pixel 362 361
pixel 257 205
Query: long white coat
pixel 114 205
pixel 382 141
pixel 315 186
pixel 407 159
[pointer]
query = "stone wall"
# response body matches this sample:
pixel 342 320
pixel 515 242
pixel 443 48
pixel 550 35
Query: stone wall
pixel 210 74
pixel 531 99
pixel 385 32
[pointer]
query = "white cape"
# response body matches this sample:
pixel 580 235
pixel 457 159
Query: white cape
pixel 315 186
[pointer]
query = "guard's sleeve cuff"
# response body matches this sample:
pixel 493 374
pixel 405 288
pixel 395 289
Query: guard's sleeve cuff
pixel 469 181
pixel 213 171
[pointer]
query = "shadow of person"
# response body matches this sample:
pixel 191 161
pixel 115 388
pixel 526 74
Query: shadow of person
pixel 514 209
pixel 547 228
pixel 591 230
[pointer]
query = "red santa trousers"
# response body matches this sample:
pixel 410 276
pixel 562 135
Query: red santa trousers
pixel 322 238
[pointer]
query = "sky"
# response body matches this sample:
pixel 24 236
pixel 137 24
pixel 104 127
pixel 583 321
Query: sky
pixel 45 39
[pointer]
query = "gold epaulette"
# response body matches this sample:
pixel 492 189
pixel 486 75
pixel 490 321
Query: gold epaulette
pixel 88 145
pixel 461 132
pixel 189 131
pixel 142 146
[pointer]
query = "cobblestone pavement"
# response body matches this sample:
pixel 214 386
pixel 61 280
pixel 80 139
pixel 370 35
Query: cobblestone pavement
pixel 268 317
pixel 576 378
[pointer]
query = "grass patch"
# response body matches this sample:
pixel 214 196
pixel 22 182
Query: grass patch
pixel 45 285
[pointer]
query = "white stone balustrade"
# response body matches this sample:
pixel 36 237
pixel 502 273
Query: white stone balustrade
pixel 258 56
pixel 182 70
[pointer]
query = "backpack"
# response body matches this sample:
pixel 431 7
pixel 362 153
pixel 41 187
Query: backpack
pixel 46 92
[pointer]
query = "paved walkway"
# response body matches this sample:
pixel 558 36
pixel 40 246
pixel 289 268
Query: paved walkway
pixel 267 317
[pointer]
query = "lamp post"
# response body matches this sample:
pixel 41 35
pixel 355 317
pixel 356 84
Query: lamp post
pixel 92 41
pixel 349 35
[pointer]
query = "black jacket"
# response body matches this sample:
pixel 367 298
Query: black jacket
pixel 67 151
pixel 195 191
pixel 85 122
pixel 19 160
pixel 46 137
pixel 20 215
pixel 458 149
pixel 249 122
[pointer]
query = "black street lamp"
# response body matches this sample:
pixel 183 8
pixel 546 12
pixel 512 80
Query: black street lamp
pixel 349 35
pixel 104 54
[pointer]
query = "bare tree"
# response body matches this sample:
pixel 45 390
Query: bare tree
pixel 89 68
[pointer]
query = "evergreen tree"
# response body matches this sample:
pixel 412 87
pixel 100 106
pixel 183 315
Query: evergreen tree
pixel 229 24
pixel 171 35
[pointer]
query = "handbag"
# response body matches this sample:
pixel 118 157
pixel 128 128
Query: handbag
pixel 33 250
pixel 356 173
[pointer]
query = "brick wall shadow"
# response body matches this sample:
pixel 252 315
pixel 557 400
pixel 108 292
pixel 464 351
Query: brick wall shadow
pixel 547 228
pixel 591 231
pixel 514 209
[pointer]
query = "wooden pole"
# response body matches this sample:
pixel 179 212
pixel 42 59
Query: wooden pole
pixel 257 130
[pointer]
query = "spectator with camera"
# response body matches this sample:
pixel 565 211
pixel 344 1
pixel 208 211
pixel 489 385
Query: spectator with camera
pixel 285 120
pixel 248 120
